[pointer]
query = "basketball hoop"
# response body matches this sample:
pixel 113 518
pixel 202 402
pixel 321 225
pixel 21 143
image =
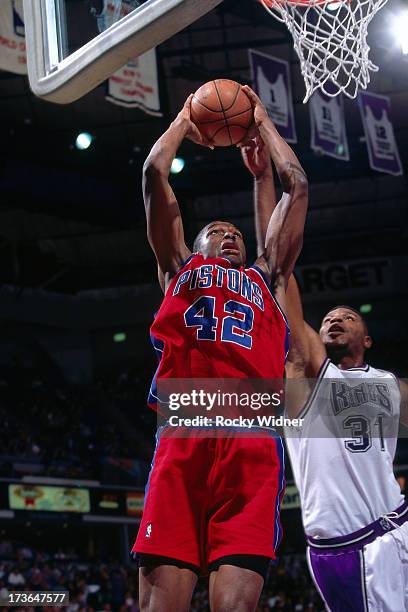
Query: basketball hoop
pixel 330 39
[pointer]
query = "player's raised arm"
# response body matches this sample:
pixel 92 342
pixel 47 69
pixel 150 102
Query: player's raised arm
pixel 285 230
pixel 164 224
pixel 257 159
pixel 306 349
pixel 306 353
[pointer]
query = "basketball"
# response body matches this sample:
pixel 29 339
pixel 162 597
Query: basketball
pixel 222 112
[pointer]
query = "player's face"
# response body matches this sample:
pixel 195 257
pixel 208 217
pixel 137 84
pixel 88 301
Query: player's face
pixel 343 328
pixel 224 240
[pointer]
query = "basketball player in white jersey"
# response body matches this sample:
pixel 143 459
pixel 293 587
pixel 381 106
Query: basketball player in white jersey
pixel 354 516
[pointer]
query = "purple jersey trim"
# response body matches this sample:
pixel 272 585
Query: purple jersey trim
pixel 281 490
pixel 340 580
pixel 363 368
pixel 363 536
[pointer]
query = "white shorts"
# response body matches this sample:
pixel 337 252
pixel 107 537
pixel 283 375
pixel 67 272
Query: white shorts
pixel 386 571
pixel 366 571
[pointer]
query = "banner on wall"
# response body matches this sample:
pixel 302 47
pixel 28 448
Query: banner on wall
pixel 13 56
pixel 135 85
pixel 328 128
pixel 271 81
pixel 379 132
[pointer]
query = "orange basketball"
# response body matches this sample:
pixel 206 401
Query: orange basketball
pixel 222 112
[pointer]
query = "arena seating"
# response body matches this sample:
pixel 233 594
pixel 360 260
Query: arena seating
pixel 105 586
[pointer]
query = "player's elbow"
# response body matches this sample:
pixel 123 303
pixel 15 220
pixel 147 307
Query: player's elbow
pixel 299 188
pixel 151 168
pixel 294 180
pixel 302 187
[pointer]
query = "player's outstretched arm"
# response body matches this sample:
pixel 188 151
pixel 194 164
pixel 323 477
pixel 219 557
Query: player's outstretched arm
pixel 306 350
pixel 285 230
pixel 164 224
pixel 256 158
pixel 306 353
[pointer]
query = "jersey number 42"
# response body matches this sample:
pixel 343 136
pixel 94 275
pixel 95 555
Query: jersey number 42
pixel 235 326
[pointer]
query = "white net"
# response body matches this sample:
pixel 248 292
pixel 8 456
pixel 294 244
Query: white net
pixel 330 39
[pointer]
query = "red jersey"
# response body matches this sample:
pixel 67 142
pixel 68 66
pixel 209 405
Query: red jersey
pixel 219 321
pixel 209 497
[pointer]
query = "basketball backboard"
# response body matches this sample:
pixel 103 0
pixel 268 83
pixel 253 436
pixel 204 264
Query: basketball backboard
pixel 65 62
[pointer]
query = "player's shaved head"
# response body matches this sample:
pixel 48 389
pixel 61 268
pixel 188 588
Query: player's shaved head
pixel 201 233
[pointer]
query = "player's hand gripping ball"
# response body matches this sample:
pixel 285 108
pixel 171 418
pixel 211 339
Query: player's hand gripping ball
pixel 222 112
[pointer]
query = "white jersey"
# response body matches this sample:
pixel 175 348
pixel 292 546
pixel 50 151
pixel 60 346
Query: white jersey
pixel 342 456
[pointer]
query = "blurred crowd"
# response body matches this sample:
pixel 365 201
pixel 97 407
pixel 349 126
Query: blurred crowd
pixel 91 586
pixel 68 431
pixel 53 428
pixel 113 587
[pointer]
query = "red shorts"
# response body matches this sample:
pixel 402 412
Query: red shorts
pixel 211 497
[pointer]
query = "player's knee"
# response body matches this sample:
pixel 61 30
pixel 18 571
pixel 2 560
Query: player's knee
pixel 234 602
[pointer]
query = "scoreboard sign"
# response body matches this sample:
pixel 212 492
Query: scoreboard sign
pixel 134 503
pixel 51 499
pixel 108 502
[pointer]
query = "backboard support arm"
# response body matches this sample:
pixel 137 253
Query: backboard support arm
pixel 65 80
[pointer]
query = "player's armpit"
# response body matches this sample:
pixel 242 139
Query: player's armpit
pixel 161 278
pixel 404 403
pixel 297 390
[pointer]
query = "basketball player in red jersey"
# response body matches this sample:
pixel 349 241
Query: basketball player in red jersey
pixel 212 505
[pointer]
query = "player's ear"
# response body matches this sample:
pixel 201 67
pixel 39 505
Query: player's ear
pixel 368 342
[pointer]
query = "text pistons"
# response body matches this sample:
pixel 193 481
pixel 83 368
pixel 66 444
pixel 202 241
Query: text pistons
pixel 214 275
